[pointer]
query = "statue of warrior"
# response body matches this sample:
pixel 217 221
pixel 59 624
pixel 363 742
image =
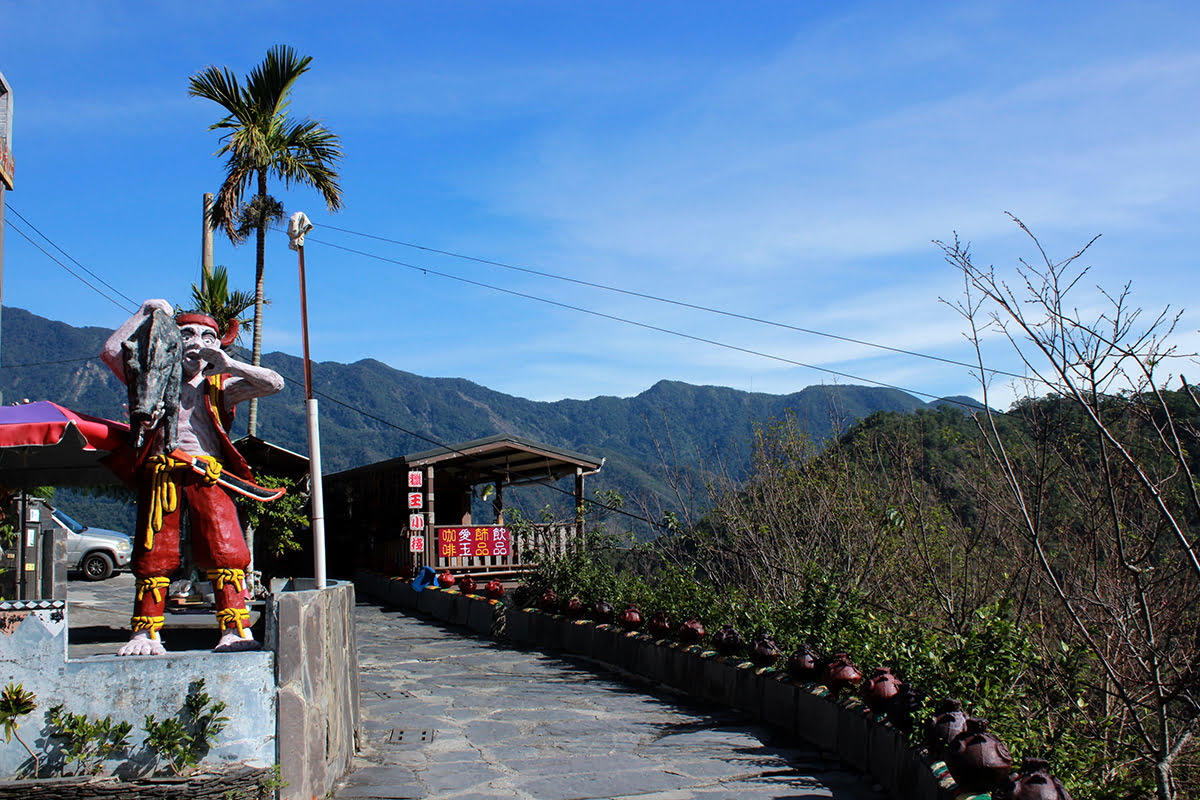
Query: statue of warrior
pixel 183 388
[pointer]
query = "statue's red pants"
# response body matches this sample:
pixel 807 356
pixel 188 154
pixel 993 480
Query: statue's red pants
pixel 217 541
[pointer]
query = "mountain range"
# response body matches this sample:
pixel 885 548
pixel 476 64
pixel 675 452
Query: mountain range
pixel 371 412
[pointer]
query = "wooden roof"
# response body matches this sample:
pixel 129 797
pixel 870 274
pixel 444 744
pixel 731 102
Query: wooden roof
pixel 503 458
pixel 271 458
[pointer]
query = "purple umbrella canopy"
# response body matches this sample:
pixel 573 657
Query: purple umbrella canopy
pixel 45 444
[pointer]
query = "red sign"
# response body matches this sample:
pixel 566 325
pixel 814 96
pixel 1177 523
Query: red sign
pixel 415 479
pixel 7 165
pixel 416 500
pixel 416 522
pixel 416 544
pixel 479 541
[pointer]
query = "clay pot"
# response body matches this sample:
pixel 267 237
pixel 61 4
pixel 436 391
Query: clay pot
pixel 903 708
pixel 548 602
pixel 493 590
pixel 445 580
pixel 691 632
pixel 879 689
pixel 727 641
pixel 602 612
pixel 467 584
pixel 574 608
pixel 763 650
pixel 658 625
pixel 804 665
pixel 948 721
pixel 631 618
pixel 977 759
pixel 841 674
pixel 1032 782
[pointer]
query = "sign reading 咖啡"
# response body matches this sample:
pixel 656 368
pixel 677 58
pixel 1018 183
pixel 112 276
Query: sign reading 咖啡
pixel 475 541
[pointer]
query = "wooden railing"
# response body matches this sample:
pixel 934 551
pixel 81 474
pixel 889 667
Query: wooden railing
pixel 526 543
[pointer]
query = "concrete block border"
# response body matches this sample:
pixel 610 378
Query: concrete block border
pixel 845 729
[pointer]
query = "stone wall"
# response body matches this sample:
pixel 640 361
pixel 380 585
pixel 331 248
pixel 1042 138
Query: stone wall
pixel 33 653
pixel 294 703
pixel 318 685
pixel 845 728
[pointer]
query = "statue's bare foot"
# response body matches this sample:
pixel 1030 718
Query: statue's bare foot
pixel 141 644
pixel 232 642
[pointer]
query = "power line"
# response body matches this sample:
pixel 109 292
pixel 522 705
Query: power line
pixel 645 325
pixel 567 306
pixel 50 363
pixel 82 280
pixel 670 301
pixel 68 255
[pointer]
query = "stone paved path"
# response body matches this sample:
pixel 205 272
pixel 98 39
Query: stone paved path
pixel 450 715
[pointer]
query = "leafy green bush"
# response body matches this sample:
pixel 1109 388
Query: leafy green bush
pixel 87 742
pixel 16 702
pixel 184 740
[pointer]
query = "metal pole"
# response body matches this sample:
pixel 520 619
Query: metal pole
pixel 297 227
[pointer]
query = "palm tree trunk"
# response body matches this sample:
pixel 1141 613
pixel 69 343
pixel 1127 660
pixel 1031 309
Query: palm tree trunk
pixel 260 256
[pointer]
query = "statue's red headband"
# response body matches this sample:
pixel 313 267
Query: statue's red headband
pixel 195 318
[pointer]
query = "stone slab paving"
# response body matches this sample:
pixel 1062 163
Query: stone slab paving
pixel 453 716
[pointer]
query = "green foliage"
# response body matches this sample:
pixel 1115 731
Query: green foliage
pixel 182 741
pixel 16 702
pixel 213 297
pixel 279 524
pixel 87 742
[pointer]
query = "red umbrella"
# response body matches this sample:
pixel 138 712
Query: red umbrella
pixel 45 444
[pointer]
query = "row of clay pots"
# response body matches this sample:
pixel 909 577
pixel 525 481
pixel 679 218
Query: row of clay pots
pixel 977 759
pixel 492 590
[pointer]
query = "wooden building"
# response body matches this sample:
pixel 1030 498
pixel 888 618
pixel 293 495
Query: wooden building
pixel 416 510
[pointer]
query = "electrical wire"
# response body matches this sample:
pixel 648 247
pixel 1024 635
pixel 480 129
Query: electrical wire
pixel 81 279
pixel 635 323
pixel 669 301
pixel 50 363
pixel 9 207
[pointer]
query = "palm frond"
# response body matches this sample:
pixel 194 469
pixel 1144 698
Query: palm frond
pixel 271 82
pixel 238 176
pixel 214 298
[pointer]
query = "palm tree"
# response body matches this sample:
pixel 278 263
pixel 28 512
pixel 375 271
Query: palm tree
pixel 212 297
pixel 260 140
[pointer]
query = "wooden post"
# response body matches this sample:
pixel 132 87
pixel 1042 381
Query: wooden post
pixel 579 506
pixel 206 243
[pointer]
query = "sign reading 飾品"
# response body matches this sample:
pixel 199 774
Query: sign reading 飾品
pixel 475 541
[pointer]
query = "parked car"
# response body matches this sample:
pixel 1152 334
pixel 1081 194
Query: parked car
pixel 93 552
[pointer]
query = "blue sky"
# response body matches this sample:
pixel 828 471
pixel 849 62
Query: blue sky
pixel 790 161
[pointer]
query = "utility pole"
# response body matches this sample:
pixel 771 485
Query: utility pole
pixel 6 165
pixel 298 226
pixel 206 258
